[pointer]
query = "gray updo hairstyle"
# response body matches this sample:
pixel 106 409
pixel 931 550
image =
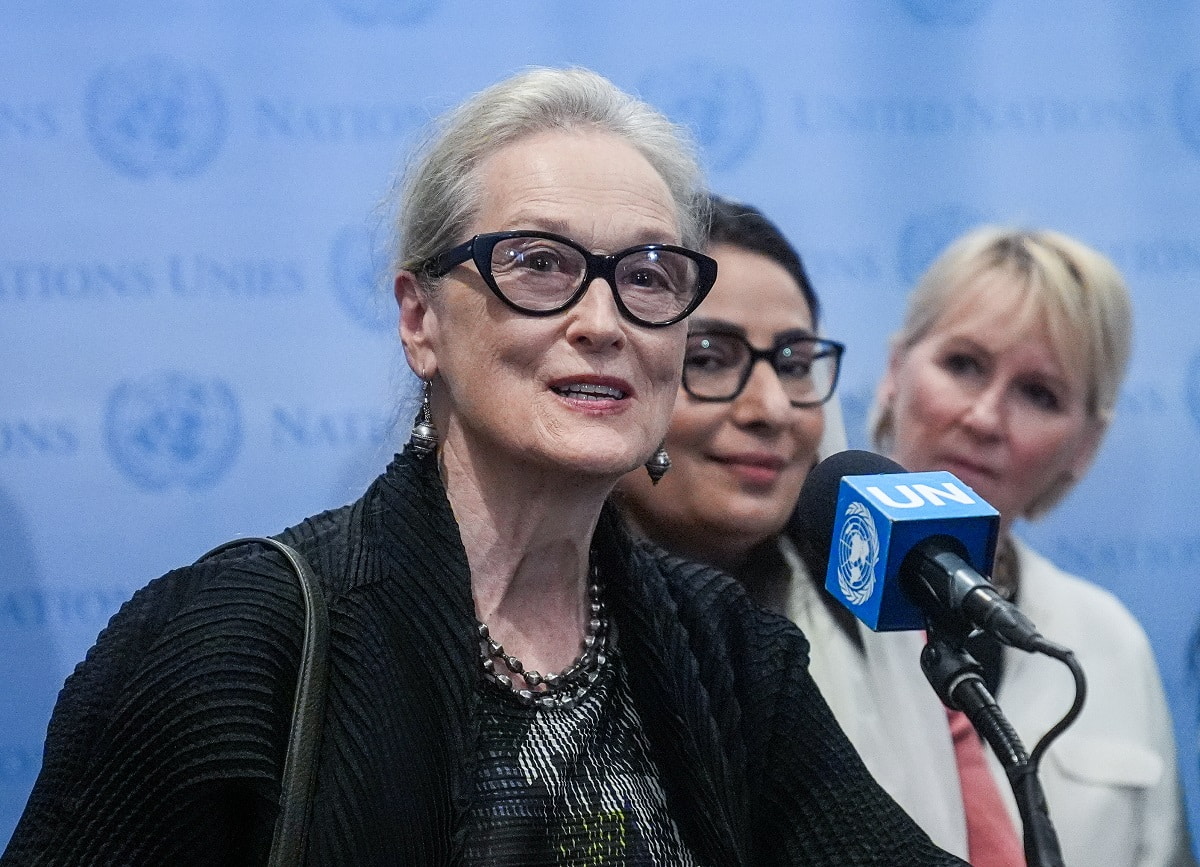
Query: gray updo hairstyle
pixel 440 193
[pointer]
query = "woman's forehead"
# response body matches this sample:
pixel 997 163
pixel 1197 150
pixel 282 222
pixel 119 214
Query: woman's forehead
pixel 999 310
pixel 754 290
pixel 587 184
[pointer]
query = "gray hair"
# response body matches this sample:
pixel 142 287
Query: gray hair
pixel 440 194
pixel 1074 289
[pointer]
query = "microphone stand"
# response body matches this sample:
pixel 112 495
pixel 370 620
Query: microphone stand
pixel 957 678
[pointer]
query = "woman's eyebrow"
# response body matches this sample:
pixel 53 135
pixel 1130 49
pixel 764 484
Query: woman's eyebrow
pixel 714 326
pixel 793 333
pixel 722 326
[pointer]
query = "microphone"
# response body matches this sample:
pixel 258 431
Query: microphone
pixel 903 550
pixel 908 551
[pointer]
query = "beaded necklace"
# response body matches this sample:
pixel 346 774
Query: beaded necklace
pixel 559 691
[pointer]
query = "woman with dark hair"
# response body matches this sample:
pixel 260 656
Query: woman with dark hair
pixel 742 439
pixel 513 680
pixel 743 435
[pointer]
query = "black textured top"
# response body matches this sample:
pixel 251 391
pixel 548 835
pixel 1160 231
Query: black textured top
pixel 166 744
pixel 564 787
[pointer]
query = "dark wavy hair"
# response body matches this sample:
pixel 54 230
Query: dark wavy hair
pixel 746 227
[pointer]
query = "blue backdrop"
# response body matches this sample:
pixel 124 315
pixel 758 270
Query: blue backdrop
pixel 196 339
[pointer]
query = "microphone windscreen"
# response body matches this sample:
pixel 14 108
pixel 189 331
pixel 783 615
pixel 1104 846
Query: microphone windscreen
pixel 816 509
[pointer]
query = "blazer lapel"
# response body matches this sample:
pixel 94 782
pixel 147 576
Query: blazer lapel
pixel 671 698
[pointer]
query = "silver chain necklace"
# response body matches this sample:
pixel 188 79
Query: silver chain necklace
pixel 559 691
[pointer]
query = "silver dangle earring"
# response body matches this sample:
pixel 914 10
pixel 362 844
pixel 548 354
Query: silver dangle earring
pixel 424 437
pixel 658 464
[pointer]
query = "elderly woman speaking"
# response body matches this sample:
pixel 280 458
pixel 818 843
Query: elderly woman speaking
pixel 511 679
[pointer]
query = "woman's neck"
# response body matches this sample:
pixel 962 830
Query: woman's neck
pixel 527 537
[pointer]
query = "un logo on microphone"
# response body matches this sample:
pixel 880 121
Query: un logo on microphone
pixel 858 554
pixel 172 429
pixel 357 263
pixel 1187 108
pixel 723 106
pixel 372 13
pixel 958 13
pixel 927 235
pixel 155 116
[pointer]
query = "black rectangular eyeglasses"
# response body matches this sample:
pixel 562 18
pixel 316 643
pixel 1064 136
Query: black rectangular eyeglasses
pixel 717 366
pixel 540 274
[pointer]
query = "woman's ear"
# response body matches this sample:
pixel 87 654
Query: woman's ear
pixel 418 324
pixel 1093 436
pixel 885 391
pixel 881 417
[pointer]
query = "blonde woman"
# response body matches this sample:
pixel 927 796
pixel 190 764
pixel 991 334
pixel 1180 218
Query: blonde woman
pixel 1006 373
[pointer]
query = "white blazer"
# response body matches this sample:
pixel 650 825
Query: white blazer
pixel 887 709
pixel 1110 779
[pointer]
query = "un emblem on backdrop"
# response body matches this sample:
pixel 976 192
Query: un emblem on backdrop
pixel 955 12
pixel 1187 108
pixel 1192 389
pixel 155 116
pixel 172 429
pixel 372 13
pixel 722 105
pixel 927 235
pixel 356 263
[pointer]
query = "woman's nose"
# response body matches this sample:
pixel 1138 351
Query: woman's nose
pixel 595 320
pixel 762 400
pixel 985 412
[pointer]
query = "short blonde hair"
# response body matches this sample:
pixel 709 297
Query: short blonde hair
pixel 1074 289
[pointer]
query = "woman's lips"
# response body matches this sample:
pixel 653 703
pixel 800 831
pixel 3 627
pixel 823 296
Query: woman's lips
pixel 968 471
pixel 761 470
pixel 591 393
pixel 966 465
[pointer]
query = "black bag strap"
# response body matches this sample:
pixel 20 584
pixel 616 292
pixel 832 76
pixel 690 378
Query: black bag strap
pixel 308 708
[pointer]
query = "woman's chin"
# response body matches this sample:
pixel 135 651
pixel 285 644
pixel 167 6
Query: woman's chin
pixel 594 463
pixel 751 524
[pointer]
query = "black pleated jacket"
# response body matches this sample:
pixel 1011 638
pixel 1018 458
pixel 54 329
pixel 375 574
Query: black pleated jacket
pixel 167 741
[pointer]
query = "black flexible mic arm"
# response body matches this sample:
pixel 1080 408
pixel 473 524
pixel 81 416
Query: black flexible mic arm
pixel 958 680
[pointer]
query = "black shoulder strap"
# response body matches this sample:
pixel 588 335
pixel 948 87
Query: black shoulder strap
pixel 300 763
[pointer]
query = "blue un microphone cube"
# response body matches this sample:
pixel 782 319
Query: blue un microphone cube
pixel 880 518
